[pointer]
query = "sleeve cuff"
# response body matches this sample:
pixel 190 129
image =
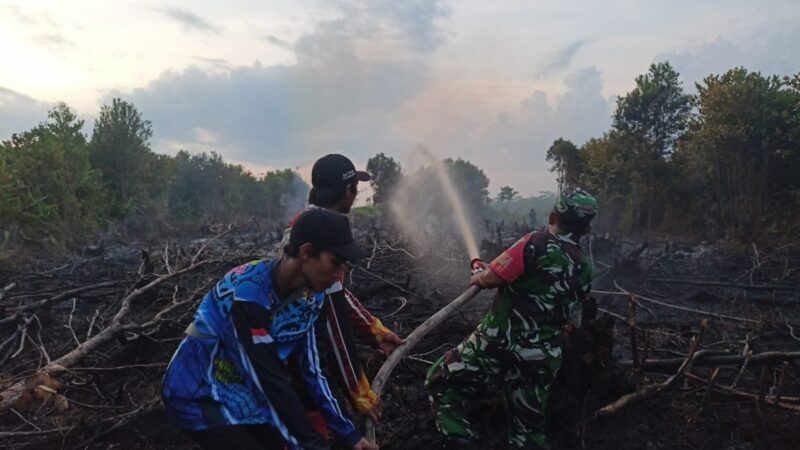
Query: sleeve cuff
pixel 379 330
pixel 365 399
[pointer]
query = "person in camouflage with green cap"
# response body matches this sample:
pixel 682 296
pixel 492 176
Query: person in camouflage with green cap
pixel 516 346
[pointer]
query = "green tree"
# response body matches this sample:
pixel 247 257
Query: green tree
pixel 506 194
pixel 205 186
pixel 284 194
pixel 608 165
pixel 48 190
pixel 199 187
pixel 650 120
pixel 469 182
pixel 567 162
pixel 121 152
pixel 742 149
pixel 385 174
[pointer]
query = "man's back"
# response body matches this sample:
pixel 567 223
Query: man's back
pixel 548 275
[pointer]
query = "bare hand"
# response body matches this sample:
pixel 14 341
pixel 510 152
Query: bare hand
pixel 390 342
pixel 487 280
pixel 364 444
pixel 476 280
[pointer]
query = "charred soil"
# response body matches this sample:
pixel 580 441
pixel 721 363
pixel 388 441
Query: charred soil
pixel 650 310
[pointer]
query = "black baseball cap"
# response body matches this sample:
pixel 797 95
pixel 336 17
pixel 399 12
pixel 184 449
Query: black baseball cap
pixel 326 230
pixel 335 170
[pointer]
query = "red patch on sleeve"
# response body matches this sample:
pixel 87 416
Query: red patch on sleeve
pixel 511 263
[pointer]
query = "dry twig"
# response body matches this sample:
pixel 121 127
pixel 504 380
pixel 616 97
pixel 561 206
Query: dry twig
pixel 653 389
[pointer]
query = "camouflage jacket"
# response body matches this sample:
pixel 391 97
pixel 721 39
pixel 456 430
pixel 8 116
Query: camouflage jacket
pixel 547 275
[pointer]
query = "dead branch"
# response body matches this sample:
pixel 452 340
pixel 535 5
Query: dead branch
pixel 394 285
pixel 117 327
pixel 127 367
pixel 403 303
pixel 374 249
pixel 632 324
pixel 745 363
pixel 704 359
pixel 91 324
pixel 401 249
pixel 69 322
pixel 6 288
pixel 13 394
pixel 62 296
pixel 771 400
pixel 653 389
pixel 712 377
pixel 8 434
pixel 770 287
pixel 791 331
pixel 680 308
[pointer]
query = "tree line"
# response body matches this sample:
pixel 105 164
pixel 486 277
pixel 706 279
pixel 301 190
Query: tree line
pixel 720 162
pixel 723 162
pixel 57 185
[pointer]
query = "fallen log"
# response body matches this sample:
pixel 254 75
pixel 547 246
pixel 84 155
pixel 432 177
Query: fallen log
pixel 703 359
pixel 411 340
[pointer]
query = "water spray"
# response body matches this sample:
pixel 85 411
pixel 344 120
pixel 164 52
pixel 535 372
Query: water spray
pixel 435 320
pixel 455 201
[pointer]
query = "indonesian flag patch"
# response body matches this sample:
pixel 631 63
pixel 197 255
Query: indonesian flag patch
pixel 260 336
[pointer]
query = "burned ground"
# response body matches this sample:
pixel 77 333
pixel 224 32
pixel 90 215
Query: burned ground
pixel 108 396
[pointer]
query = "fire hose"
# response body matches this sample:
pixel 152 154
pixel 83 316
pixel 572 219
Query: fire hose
pixel 411 340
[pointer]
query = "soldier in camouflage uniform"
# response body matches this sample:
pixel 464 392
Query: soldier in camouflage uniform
pixel 516 346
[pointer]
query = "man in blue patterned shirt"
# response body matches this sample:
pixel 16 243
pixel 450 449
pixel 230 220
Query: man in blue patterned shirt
pixel 228 382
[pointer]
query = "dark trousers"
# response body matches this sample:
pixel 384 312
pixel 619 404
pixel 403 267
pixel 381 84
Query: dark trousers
pixel 239 437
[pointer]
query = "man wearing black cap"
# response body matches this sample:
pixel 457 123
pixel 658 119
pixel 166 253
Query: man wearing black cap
pixel 228 383
pixel 334 181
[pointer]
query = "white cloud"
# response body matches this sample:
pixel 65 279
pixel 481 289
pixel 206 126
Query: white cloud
pixel 492 82
pixel 560 59
pixel 772 52
pixel 352 72
pixel 516 144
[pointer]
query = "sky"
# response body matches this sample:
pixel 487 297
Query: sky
pixel 278 84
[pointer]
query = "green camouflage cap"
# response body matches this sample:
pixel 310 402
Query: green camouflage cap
pixel 576 206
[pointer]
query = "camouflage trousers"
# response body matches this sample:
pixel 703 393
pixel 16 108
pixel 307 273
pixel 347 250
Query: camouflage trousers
pixel 517 360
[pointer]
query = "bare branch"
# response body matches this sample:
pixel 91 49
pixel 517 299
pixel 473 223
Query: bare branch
pixel 653 389
pixel 62 296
